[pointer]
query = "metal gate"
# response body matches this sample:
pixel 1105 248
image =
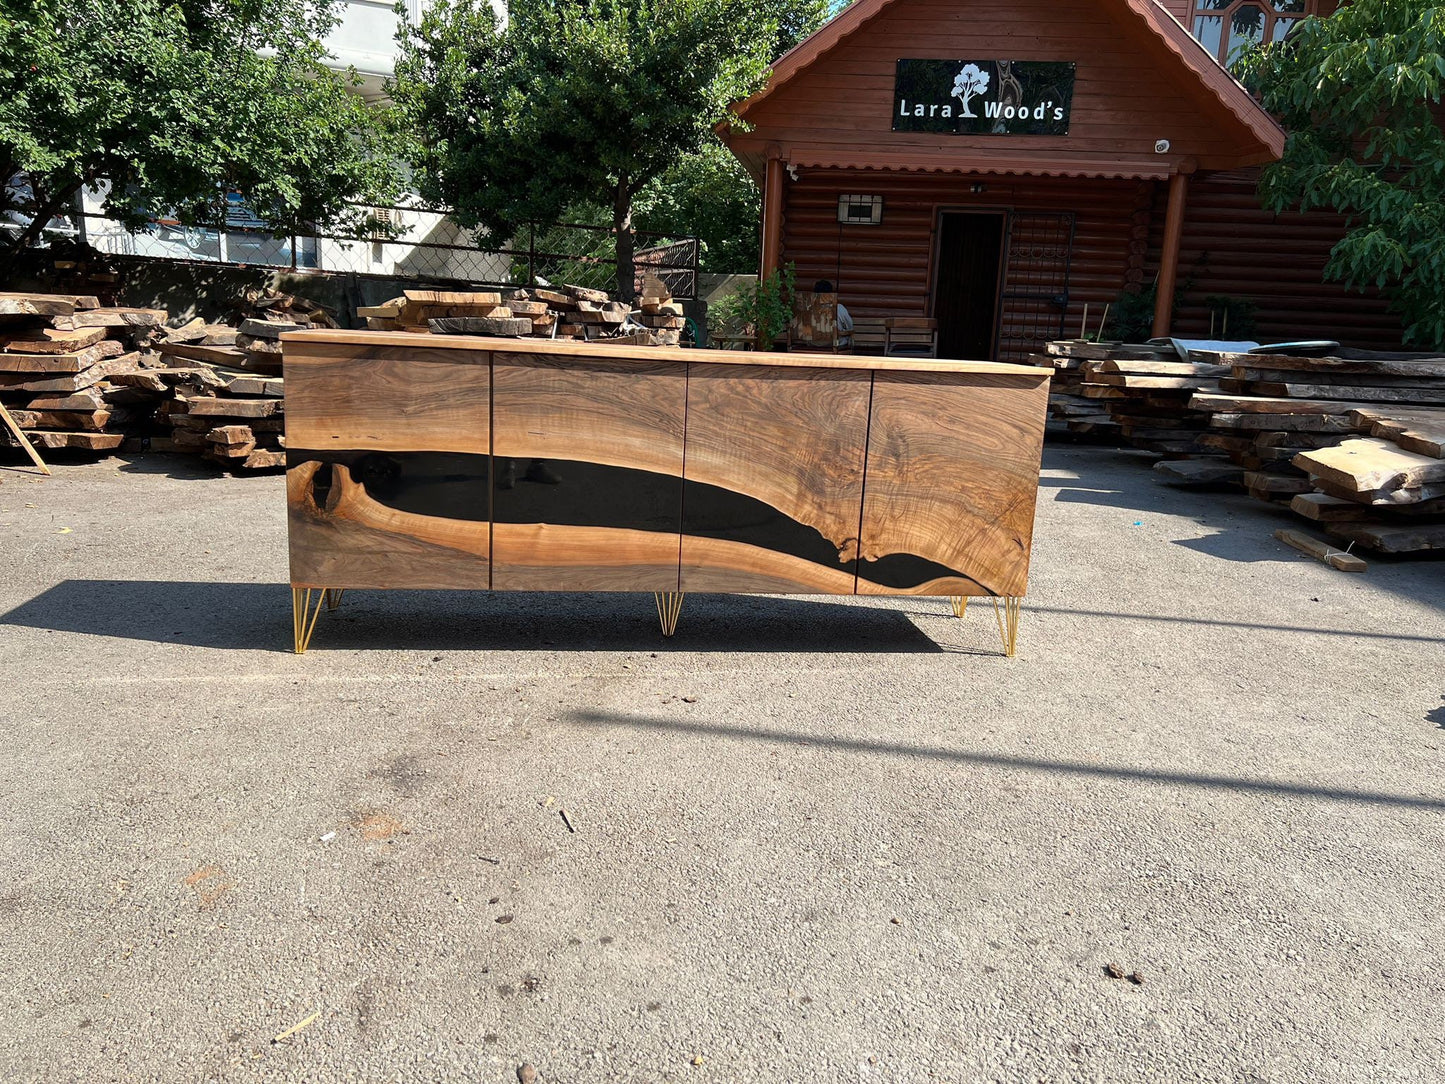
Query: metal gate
pixel 1034 301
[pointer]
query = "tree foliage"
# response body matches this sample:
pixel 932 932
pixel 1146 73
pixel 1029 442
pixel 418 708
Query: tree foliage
pixel 708 194
pixel 176 102
pixel 1360 95
pixel 569 103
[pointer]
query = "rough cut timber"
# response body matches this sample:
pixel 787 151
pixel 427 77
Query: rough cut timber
pixel 1372 464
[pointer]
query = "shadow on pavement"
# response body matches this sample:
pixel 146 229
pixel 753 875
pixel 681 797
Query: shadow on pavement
pixel 1197 780
pixel 258 615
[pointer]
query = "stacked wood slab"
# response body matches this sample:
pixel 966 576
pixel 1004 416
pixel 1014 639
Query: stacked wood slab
pixel 567 313
pixel 235 420
pixel 1384 492
pixel 64 364
pixel 1352 441
pixel 1139 393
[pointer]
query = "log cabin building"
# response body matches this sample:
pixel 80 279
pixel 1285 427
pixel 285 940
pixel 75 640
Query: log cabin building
pixel 999 165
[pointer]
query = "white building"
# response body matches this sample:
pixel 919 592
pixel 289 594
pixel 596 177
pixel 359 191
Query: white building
pixel 426 244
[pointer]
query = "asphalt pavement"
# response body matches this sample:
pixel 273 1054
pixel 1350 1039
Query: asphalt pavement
pixel 1193 832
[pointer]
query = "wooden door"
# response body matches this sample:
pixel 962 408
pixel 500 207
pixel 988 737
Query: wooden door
pixel 953 472
pixel 774 478
pixel 587 492
pixel 966 284
pixel 388 468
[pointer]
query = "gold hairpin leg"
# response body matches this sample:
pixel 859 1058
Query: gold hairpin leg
pixel 333 597
pixel 304 616
pixel 960 605
pixel 669 607
pixel 1008 623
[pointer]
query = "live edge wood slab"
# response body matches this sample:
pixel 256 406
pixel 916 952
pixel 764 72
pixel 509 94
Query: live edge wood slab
pixel 429 461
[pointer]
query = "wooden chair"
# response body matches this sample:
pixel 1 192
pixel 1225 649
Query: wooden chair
pixel 869 335
pixel 910 337
pixel 814 325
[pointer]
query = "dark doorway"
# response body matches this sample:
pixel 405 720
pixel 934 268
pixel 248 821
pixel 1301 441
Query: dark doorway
pixel 966 280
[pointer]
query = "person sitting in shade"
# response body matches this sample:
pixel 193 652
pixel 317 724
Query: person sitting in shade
pixel 845 318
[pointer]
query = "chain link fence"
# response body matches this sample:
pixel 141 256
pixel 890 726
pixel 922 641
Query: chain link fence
pixel 415 243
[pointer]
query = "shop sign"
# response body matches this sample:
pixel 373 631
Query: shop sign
pixel 983 97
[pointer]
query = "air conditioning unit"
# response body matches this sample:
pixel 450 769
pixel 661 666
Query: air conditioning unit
pixel 386 221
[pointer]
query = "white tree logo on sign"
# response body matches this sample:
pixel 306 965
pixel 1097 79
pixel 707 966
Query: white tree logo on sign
pixel 971 81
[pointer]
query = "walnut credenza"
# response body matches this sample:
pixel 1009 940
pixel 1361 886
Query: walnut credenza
pixel 430 461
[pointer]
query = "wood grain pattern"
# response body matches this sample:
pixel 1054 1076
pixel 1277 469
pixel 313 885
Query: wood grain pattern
pixel 622 412
pixel 388 400
pixel 555 557
pixel 588 454
pixel 792 439
pixel 953 467
pixel 347 539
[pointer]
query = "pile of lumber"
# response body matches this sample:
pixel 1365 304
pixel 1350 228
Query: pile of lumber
pixel 1139 393
pixel 1351 441
pixel 233 418
pixel 66 363
pixel 567 312
pixel 250 341
pixel 1383 492
pixel 1271 407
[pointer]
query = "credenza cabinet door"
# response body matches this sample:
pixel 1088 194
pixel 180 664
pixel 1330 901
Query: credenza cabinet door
pixel 953 469
pixel 774 479
pixel 588 459
pixel 388 468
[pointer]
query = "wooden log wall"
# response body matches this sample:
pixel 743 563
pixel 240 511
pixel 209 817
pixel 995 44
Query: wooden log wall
pixel 887 270
pixel 1233 247
pixel 583 468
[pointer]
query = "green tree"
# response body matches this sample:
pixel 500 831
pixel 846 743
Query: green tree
pixel 176 103
pixel 569 103
pixel 1356 93
pixel 709 194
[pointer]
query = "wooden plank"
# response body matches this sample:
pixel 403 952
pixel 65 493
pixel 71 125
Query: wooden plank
pixel 58 363
pixel 773 479
pixel 214 406
pixel 1261 405
pixel 1199 472
pixel 951 482
pixel 75 439
pixel 1354 392
pixel 1409 538
pixel 61 419
pixel 1276 484
pixel 47 340
pixel 1381 498
pixel 1129 380
pixel 68 382
pixel 1306 423
pixel 1418 431
pixel 1372 464
pixel 21 439
pixel 588 473
pixel 481 325
pixel 1417 366
pixel 119 316
pixel 1162 368
pixel 1320 550
pixel 267 386
pixel 1324 508
pixel 218 355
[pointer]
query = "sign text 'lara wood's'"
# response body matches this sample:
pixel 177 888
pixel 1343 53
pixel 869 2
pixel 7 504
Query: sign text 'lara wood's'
pixel 983 97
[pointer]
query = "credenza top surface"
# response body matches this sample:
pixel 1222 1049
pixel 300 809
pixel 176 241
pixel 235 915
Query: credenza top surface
pixel 602 351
